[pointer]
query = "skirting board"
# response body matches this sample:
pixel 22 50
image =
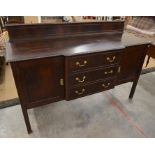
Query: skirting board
pixel 9 103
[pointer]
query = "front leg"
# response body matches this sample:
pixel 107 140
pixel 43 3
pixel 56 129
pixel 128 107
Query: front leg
pixel 27 121
pixel 133 89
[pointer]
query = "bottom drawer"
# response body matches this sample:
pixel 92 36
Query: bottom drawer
pixel 89 89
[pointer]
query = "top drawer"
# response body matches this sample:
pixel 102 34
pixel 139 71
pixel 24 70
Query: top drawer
pixel 86 61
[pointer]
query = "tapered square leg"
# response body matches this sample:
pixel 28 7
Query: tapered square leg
pixel 133 89
pixel 27 122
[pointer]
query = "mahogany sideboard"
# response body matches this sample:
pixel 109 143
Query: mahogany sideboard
pixel 53 62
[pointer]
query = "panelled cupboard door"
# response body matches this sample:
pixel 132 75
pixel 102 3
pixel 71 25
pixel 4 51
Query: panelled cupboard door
pixel 132 60
pixel 41 80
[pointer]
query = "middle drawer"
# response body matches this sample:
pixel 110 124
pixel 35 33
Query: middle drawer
pixel 93 75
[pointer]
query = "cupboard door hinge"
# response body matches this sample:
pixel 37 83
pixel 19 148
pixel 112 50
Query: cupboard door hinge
pixel 61 82
pixel 119 69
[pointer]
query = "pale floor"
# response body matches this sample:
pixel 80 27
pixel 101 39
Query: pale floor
pixel 8 89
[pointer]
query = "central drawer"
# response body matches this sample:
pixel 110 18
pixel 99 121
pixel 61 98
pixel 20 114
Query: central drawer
pixel 93 75
pixel 87 61
pixel 89 89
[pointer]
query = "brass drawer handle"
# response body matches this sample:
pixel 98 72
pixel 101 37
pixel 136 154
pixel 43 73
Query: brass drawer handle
pixel 81 65
pixel 61 82
pixel 119 69
pixel 80 93
pixel 106 86
pixel 78 79
pixel 111 59
pixel 110 72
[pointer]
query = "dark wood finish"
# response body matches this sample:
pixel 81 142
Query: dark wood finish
pixel 133 88
pixel 84 70
pixel 53 62
pixel 136 39
pixel 89 89
pixel 138 71
pixel 88 61
pixel 41 80
pixel 26 118
pixel 131 61
pixel 92 75
pixel 151 52
pixel 71 46
pixel 24 32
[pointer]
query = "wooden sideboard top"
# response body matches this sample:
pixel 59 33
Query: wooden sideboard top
pixel 82 39
pixel 61 47
pixel 68 46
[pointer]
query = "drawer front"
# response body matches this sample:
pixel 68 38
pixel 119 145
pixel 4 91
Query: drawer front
pixel 112 58
pixel 89 89
pixel 81 62
pixel 77 63
pixel 91 76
